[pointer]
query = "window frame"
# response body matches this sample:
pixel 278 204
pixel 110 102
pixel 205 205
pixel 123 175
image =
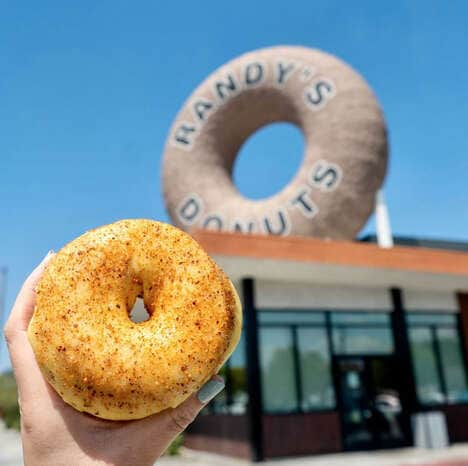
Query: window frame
pixel 212 408
pixel 327 325
pixel 435 344
pixel 369 325
pixel 298 383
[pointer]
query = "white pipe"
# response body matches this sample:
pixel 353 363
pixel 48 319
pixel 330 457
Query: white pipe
pixel 384 232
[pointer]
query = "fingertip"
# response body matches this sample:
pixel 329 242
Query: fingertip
pixel 23 308
pixel 34 277
pixel 46 258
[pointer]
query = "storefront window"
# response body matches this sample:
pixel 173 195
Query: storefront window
pixel 362 340
pixel 234 398
pixel 363 318
pixel 425 366
pixel 295 353
pixel 437 358
pixel 317 386
pixel 452 365
pixel 237 380
pixel 428 319
pixel 361 333
pixel 277 368
pixel 295 361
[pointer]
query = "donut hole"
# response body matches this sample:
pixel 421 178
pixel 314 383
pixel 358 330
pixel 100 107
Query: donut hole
pixel 273 154
pixel 139 313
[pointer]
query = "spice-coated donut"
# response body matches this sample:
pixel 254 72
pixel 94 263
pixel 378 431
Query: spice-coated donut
pixel 345 158
pixel 103 363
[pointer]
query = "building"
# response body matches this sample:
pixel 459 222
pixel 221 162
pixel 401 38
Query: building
pixel 343 344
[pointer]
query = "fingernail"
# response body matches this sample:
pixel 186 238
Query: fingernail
pixel 45 260
pixel 210 390
pixel 48 255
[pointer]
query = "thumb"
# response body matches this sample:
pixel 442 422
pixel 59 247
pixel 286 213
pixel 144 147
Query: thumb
pixel 155 433
pixel 179 418
pixel 24 305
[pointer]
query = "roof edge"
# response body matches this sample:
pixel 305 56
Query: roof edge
pixel 336 252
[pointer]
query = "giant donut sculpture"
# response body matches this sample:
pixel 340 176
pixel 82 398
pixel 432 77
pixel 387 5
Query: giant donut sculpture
pixel 345 159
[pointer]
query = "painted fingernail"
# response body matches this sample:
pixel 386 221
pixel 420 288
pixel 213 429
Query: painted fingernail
pixel 46 258
pixel 210 390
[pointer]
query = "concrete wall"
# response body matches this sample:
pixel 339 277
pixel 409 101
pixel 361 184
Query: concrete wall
pixel 297 295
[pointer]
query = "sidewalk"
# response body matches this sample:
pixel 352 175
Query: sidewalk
pixel 10 447
pixel 456 455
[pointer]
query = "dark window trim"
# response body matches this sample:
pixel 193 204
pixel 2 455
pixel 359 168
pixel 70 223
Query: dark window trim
pixel 295 412
pixel 297 368
pixel 326 314
pixel 228 387
pixel 254 381
pixel 423 325
pixel 334 326
pixel 345 326
pixel 352 310
pixel 462 336
pixel 364 355
pixel 321 310
pixel 289 324
pixel 438 360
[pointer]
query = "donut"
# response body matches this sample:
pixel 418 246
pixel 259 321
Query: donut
pixel 100 361
pixel 344 162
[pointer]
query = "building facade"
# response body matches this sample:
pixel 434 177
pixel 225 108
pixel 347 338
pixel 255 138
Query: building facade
pixel 343 344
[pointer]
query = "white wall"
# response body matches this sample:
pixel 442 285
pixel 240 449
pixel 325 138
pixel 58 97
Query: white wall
pixel 280 295
pixel 424 300
pixel 277 295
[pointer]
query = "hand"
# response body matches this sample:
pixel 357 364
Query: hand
pixel 53 433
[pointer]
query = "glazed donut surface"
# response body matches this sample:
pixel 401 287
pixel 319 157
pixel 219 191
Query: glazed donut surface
pixel 95 356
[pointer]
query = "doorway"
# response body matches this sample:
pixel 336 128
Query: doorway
pixel 368 392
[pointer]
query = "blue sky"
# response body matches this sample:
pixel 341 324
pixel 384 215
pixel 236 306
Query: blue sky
pixel 88 91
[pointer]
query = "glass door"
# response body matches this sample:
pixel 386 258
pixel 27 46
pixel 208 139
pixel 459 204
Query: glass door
pixel 354 402
pixel 369 402
pixel 387 411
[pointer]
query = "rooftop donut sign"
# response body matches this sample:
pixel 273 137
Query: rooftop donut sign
pixel 345 158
